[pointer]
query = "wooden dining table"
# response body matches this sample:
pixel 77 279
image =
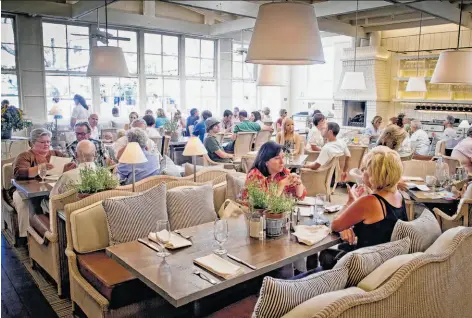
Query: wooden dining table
pixel 174 278
pixel 449 206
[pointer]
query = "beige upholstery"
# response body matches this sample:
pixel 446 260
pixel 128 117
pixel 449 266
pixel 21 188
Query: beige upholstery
pixel 440 148
pixel 262 137
pixel 9 214
pixel 243 144
pixel 419 168
pixel 7 173
pixel 357 154
pixel 158 142
pixel 463 216
pixel 219 194
pixel 452 163
pixel 247 162
pixel 207 162
pixel 318 181
pixel 216 176
pixel 148 183
pixel 312 155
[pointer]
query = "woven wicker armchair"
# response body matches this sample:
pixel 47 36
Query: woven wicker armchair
pixel 312 155
pixel 214 176
pixel 262 137
pixel 9 215
pixel 453 163
pixel 357 154
pixel 207 162
pixel 463 216
pixel 148 183
pixel 319 181
pixel 243 144
pixel 419 168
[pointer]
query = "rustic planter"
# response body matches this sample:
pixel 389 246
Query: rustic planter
pixel 274 224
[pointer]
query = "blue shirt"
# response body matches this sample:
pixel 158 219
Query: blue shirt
pixel 200 130
pixel 142 170
pixel 161 122
pixel 190 122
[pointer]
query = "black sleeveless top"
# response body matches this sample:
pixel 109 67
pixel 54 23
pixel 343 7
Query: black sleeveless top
pixel 381 231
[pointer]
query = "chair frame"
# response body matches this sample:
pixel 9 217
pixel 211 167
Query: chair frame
pixel 238 152
pixel 330 168
pixel 261 139
pixel 461 214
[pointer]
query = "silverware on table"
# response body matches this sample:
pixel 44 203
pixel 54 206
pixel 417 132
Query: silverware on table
pixel 148 244
pixel 204 277
pixel 182 234
pixel 234 258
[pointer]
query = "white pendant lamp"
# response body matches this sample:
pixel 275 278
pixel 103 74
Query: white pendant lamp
pixel 454 66
pixel 464 124
pixel 417 83
pixel 354 80
pixel 286 33
pixel 271 75
pixel 107 61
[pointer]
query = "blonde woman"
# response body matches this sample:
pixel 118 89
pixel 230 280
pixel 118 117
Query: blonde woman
pixel 394 138
pixel 371 218
pixel 288 137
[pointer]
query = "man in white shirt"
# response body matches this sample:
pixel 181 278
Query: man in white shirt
pixel 93 121
pixel 449 131
pixel 419 139
pixel 333 148
pixel 315 137
pixel 121 143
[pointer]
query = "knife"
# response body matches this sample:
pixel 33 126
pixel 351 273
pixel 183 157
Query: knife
pixel 234 258
pixel 140 240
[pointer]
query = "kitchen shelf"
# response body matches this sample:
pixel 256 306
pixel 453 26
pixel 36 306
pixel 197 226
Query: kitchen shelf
pixel 405 79
pixel 433 101
pixel 415 56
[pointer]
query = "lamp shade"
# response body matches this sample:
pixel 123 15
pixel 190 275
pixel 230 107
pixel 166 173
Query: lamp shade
pixel 453 67
pixel 464 124
pixel 416 84
pixel 194 147
pixel 353 80
pixel 271 75
pixel 286 33
pixel 107 61
pixel 133 154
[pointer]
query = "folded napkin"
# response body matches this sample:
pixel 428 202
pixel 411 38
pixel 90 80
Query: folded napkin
pixel 310 201
pixel 408 178
pixel 311 234
pixel 176 241
pixel 219 266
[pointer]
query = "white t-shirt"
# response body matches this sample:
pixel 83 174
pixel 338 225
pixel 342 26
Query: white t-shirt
pixel 123 142
pixel 95 134
pixel 332 149
pixel 315 138
pixel 449 133
pixel 80 113
pixel 152 132
pixel 421 141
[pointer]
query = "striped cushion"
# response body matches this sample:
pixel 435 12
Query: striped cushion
pixel 363 261
pixel 422 232
pixel 277 296
pixel 190 206
pixel 129 218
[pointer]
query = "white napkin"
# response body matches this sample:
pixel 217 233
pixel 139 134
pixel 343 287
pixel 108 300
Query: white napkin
pixel 176 241
pixel 408 178
pixel 219 266
pixel 333 208
pixel 310 201
pixel 311 234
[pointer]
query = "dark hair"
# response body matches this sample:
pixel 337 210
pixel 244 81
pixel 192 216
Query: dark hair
pixel 268 151
pixel 334 127
pixel 400 120
pixel 150 121
pixel 282 112
pixel 84 124
pixel 206 114
pixel 79 99
pixel 317 111
pixel 317 118
pixel 227 113
pixel 257 115
pixel 193 111
pixel 236 109
pixel 243 113
pixel 115 111
pixel 5 102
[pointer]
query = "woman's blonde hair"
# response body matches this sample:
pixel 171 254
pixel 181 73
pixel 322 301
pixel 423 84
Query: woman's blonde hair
pixel 384 168
pixel 284 135
pixel 392 137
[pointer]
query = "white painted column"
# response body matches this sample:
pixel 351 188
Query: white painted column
pixel 225 93
pixel 141 73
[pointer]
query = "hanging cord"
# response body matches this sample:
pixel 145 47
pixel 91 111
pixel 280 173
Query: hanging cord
pixel 460 23
pixel 419 45
pixel 106 21
pixel 355 42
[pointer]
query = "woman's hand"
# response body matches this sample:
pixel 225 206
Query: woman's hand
pixel 402 186
pixel 348 236
pixel 294 179
pixel 69 166
pixel 49 166
pixel 355 193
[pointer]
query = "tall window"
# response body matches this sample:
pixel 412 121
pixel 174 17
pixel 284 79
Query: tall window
pixel 244 84
pixel 9 79
pixel 161 58
pixel 66 57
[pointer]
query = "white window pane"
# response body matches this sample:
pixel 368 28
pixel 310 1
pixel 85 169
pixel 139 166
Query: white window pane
pixel 119 92
pixel 192 66
pixel 132 62
pixel 154 91
pixel 172 91
pixel 208 103
pixel 248 71
pixel 55 59
pixel 208 88
pixel 238 89
pixel 65 104
pixel 250 89
pixel 171 65
pixel 208 49
pixel 153 64
pixel 192 47
pixel 237 70
pixel 78 41
pixel 10 88
pixel 78 60
pixel 193 91
pixel 130 91
pixel 170 45
pixel 152 43
pixel 7 30
pixel 207 68
pixel 8 56
pixel 54 35
pixel 111 32
pixel 57 86
pixel 81 85
pixel 131 45
pixel 237 55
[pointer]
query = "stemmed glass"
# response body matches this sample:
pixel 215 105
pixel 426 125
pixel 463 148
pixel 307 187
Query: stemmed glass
pixel 220 231
pixel 164 237
pixel 320 202
pixel 42 171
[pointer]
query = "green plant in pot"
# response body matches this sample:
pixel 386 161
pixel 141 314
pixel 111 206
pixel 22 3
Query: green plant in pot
pixel 94 181
pixel 257 197
pixel 171 128
pixel 277 208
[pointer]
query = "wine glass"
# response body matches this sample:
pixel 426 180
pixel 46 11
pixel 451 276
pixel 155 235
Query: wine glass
pixel 42 171
pixel 220 231
pixel 320 202
pixel 164 237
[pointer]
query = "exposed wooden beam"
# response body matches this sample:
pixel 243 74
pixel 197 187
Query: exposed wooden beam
pixel 401 18
pixel 331 8
pixel 82 8
pixel 149 8
pixel 241 8
pixel 42 8
pixel 405 25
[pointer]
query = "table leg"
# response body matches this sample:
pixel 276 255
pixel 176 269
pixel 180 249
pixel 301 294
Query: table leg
pixel 197 308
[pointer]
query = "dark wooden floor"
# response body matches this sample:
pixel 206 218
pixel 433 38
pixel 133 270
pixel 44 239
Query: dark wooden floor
pixel 20 295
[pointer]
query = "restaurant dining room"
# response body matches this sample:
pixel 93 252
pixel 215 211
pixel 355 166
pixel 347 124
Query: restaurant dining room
pixel 236 159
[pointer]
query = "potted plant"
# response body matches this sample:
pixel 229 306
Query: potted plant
pixel 257 198
pixel 277 208
pixel 171 129
pixel 12 120
pixel 94 181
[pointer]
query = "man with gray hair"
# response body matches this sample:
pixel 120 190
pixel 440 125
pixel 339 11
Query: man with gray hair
pixel 83 131
pixel 449 131
pixel 142 170
pixel 121 143
pixel 419 139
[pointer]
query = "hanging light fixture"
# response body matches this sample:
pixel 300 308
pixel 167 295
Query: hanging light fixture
pixel 271 75
pixel 286 33
pixel 417 83
pixel 454 66
pixel 107 61
pixel 354 80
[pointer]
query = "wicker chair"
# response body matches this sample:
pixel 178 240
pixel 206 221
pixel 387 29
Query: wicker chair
pixel 9 215
pixel 247 162
pixel 147 183
pixel 452 163
pixel 319 181
pixel 158 142
pixel 262 137
pixel 440 148
pixel 243 144
pixel 312 155
pixel 215 176
pixel 357 154
pixel 463 216
pixel 419 168
pixel 207 162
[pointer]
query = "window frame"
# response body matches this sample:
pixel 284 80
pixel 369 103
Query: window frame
pixel 14 71
pixel 215 57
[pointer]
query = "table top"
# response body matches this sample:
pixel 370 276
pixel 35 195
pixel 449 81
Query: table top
pixel 173 278
pixel 182 142
pixel 33 188
pixel 422 197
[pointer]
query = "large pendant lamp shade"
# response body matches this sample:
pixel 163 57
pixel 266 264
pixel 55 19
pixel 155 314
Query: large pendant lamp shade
pixel 286 33
pixel 353 80
pixel 271 75
pixel 416 84
pixel 107 61
pixel 453 67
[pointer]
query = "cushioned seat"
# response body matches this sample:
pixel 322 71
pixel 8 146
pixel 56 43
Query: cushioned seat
pixel 112 280
pixel 40 223
pixel 241 309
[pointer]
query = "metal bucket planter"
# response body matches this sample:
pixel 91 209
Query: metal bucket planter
pixel 274 224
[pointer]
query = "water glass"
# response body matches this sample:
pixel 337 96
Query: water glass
pixel 164 237
pixel 42 171
pixel 220 232
pixel 320 203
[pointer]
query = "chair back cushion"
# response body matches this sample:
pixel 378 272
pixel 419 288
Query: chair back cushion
pixel 235 183
pixel 243 143
pixel 130 218
pixel 89 228
pixel 419 168
pixel 444 241
pixel 422 232
pixel 262 137
pixel 7 175
pixel 190 206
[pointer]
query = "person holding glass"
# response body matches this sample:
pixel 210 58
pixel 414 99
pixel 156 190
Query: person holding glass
pixel 288 138
pixel 32 164
pixel 132 117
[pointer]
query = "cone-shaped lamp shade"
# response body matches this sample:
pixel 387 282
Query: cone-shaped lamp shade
pixel 453 67
pixel 133 154
pixel 416 84
pixel 194 147
pixel 107 61
pixel 286 33
pixel 271 75
pixel 464 124
pixel 353 80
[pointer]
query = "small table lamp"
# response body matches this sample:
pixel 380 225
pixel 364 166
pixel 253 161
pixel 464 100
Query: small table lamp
pixel 133 154
pixel 194 148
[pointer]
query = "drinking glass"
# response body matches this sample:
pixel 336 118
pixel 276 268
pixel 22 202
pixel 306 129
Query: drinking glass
pixel 163 237
pixel 42 171
pixel 220 231
pixel 320 203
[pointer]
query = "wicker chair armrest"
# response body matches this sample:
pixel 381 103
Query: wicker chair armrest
pixel 444 216
pixel 52 237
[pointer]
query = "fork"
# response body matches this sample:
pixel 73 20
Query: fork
pixel 204 277
pixel 182 234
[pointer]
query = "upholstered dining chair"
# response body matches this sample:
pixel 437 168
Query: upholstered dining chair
pixel 419 168
pixel 463 215
pixel 148 183
pixel 262 137
pixel 247 162
pixel 163 148
pixel 452 163
pixel 312 155
pixel 357 154
pixel 319 181
pixel 9 215
pixel 243 144
pixel 440 148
